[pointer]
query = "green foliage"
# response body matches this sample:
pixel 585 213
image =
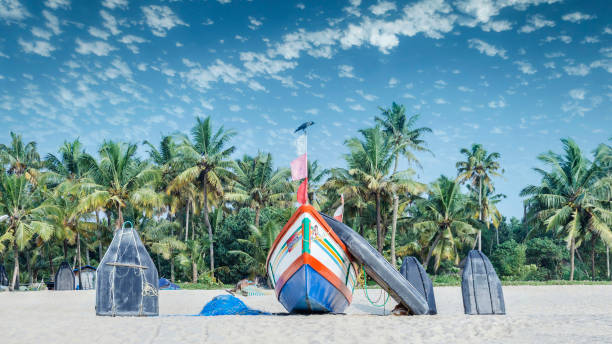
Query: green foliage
pixel 508 258
pixel 547 255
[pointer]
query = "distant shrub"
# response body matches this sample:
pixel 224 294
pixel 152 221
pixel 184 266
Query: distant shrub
pixel 508 259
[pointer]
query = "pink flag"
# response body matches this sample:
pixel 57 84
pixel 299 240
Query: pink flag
pixel 299 168
pixel 340 211
pixel 302 193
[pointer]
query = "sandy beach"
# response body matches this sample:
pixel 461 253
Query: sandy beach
pixel 536 314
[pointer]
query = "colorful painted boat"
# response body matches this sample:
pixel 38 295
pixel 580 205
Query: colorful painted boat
pixel 309 267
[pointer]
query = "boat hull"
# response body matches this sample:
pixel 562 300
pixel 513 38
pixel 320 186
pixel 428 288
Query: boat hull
pixel 309 266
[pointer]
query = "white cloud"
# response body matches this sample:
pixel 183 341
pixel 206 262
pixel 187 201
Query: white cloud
pixel 202 77
pixel 577 17
pixel 224 1
pixel 577 93
pixel 300 6
pixel 440 84
pixel 312 111
pixel 357 107
pixel 119 68
pixel 334 107
pixel 256 86
pixel 591 39
pixel 110 22
pixel 465 89
pixel 130 41
pixel 382 7
pixel 98 48
pixel 254 23
pixel 467 109
pixel 52 22
pixel 346 71
pixel 161 19
pixel 486 48
pixel 482 11
pixel 536 22
pixel 431 18
pixel 55 4
pixel 440 101
pixel 41 48
pixel 497 130
pixel 563 38
pixel 261 64
pixel 40 33
pixel 112 4
pixel 525 67
pixel 497 104
pixel 409 96
pixel 393 82
pixel 94 31
pixel 368 97
pixel 497 26
pixel 579 70
pixel 234 108
pixel 12 11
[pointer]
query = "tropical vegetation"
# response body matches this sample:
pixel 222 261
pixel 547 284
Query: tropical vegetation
pixel 209 217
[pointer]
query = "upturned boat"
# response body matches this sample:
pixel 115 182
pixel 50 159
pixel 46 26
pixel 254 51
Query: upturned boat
pixel 309 267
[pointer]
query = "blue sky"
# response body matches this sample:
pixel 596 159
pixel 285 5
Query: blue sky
pixel 515 75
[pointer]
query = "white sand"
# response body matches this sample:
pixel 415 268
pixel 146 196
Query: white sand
pixel 543 314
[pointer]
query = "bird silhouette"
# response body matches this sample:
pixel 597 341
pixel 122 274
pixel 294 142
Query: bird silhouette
pixel 304 126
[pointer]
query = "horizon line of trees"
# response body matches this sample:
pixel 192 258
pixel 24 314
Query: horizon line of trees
pixel 206 217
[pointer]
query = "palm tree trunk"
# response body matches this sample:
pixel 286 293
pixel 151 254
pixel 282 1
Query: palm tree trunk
pixel 119 217
pixel 194 272
pixel 608 261
pixel 78 238
pixel 187 223
pixel 379 240
pixel 431 249
pixel 573 250
pixel 393 228
pixel 171 268
pixel 65 250
pixel 29 263
pixel 52 276
pixel 480 213
pixel 210 233
pixel 16 267
pixel 593 258
pixel 497 235
pixel 257 215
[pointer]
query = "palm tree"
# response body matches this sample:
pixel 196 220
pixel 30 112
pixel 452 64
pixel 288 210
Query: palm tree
pixel 23 220
pixel 258 185
pixel 316 175
pixel 118 180
pixel 443 218
pixel 369 164
pixel 207 156
pixel 20 158
pixel 573 198
pixel 159 235
pixel 258 244
pixel 405 139
pixel 478 168
pixel 488 205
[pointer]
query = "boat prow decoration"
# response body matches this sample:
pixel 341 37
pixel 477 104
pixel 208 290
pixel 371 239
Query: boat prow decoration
pixel 309 266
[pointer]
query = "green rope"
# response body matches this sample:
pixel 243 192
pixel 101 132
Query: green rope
pixel 130 222
pixel 365 287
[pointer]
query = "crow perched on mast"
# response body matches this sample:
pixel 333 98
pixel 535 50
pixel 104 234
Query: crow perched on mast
pixel 304 126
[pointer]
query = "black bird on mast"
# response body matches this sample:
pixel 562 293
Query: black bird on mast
pixel 304 126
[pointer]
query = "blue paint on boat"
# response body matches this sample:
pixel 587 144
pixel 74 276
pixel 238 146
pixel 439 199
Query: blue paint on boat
pixel 309 292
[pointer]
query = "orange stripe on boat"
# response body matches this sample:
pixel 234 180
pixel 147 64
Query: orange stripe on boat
pixel 306 208
pixel 315 264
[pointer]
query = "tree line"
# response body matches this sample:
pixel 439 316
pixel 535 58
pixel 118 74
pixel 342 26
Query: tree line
pixel 208 217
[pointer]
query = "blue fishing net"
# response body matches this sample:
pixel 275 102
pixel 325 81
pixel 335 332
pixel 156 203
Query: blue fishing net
pixel 228 305
pixel 165 284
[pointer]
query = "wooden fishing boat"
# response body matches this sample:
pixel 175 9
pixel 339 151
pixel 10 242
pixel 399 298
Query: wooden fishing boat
pixel 309 267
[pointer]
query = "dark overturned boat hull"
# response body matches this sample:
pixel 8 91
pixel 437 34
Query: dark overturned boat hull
pixel 480 286
pixel 379 268
pixel 414 272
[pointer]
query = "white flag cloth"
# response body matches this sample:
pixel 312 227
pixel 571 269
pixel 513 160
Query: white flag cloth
pixel 300 144
pixel 299 168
